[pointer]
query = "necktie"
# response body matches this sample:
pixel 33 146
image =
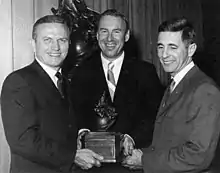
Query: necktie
pixel 111 79
pixel 60 83
pixel 171 87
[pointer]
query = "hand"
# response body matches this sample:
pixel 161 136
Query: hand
pixel 133 161
pixel 127 145
pixel 86 159
pixel 79 138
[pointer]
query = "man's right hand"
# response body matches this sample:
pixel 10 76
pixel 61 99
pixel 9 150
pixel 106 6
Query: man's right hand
pixel 86 158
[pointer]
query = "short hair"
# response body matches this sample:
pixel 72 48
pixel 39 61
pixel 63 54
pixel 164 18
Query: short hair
pixel 179 24
pixel 115 13
pixel 48 19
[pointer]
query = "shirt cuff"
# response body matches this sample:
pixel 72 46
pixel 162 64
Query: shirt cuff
pixel 126 135
pixel 83 130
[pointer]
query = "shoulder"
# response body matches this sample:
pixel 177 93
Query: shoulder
pixel 19 77
pixel 204 87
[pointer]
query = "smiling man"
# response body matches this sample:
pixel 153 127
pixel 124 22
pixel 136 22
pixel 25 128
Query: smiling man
pixel 127 85
pixel 187 126
pixel 38 119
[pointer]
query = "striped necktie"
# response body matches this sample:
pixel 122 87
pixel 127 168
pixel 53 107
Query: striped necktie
pixel 171 87
pixel 111 80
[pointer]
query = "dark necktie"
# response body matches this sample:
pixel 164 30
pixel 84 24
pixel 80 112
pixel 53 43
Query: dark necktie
pixel 60 83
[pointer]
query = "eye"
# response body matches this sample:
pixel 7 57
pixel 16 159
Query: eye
pixel 63 40
pixel 159 47
pixel 47 40
pixel 117 31
pixel 173 47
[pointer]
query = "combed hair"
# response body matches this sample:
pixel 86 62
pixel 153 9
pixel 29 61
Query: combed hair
pixel 48 19
pixel 180 24
pixel 115 13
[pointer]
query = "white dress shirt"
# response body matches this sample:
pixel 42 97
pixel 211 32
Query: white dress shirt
pixel 117 66
pixel 179 76
pixel 50 71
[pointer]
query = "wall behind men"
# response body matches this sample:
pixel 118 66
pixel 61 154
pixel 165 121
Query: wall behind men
pixel 16 20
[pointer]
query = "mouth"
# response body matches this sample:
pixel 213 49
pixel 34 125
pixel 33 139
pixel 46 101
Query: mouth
pixel 110 46
pixel 55 54
pixel 167 62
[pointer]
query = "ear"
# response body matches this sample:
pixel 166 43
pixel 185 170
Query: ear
pixel 192 49
pixel 97 36
pixel 33 44
pixel 127 35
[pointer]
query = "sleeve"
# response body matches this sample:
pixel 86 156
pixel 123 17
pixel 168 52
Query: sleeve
pixel 23 127
pixel 148 104
pixel 198 150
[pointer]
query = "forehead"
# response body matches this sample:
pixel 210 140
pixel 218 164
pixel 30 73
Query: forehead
pixel 111 22
pixel 170 38
pixel 47 29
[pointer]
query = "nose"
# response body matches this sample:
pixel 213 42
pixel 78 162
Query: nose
pixel 55 45
pixel 109 37
pixel 164 53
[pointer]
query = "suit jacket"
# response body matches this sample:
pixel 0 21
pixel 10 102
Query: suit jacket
pixel 136 100
pixel 39 124
pixel 186 128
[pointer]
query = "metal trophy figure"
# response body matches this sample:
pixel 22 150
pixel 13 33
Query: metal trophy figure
pixel 106 114
pixel 102 141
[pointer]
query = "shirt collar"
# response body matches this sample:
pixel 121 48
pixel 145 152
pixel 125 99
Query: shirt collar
pixel 50 71
pixel 179 76
pixel 116 62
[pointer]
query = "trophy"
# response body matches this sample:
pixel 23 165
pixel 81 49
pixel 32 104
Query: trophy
pixel 102 141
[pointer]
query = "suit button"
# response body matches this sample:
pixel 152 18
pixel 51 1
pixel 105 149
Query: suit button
pixel 70 125
pixel 152 148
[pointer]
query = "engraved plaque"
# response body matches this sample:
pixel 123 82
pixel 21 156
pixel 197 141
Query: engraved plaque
pixel 106 144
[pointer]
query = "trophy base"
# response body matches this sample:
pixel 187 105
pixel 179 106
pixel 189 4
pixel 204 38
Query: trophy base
pixel 107 144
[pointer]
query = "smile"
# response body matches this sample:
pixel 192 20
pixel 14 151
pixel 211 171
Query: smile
pixel 55 54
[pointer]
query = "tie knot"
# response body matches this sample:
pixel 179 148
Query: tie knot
pixel 110 65
pixel 58 75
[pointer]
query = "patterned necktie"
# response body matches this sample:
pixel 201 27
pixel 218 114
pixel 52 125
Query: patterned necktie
pixel 171 87
pixel 111 80
pixel 60 83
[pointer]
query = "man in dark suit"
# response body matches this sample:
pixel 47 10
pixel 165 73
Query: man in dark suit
pixel 187 126
pixel 131 87
pixel 38 118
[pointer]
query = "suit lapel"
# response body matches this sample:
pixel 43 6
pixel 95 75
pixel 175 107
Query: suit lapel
pixel 98 78
pixel 168 101
pixel 126 82
pixel 44 82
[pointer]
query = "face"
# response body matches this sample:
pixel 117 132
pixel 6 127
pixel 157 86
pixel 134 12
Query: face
pixel 51 44
pixel 111 36
pixel 173 53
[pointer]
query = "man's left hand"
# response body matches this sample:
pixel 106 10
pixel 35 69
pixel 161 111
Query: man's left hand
pixel 133 161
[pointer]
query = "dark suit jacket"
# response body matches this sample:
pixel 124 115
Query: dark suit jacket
pixel 39 124
pixel 137 96
pixel 187 127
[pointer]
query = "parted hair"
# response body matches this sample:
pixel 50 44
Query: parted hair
pixel 48 19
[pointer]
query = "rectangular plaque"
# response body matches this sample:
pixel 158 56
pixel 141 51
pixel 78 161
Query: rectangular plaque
pixel 106 144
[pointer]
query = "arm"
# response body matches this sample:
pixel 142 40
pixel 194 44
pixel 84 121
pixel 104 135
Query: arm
pixel 26 133
pixel 196 149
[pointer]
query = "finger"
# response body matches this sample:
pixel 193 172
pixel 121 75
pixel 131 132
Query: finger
pixel 97 156
pixel 97 163
pixel 130 149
